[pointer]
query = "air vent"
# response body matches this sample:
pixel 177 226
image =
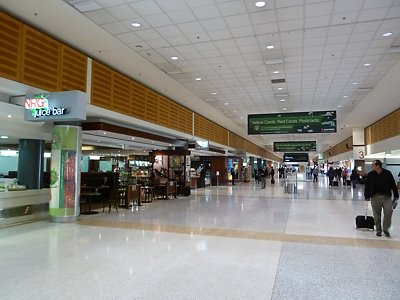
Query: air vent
pixel 281 80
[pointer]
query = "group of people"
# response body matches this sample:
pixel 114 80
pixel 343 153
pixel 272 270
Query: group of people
pixel 262 173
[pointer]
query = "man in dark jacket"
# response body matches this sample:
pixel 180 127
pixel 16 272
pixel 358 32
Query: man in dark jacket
pixel 379 187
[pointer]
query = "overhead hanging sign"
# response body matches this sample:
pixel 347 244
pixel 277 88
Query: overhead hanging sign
pixel 58 106
pixel 295 157
pixel 299 122
pixel 299 146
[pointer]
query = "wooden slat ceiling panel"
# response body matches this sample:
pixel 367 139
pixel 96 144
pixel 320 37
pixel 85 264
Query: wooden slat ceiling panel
pixel 174 115
pixel 10 47
pixel 41 60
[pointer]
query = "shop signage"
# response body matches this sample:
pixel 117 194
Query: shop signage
pixel 295 157
pixel 59 106
pixel 299 122
pixel 299 146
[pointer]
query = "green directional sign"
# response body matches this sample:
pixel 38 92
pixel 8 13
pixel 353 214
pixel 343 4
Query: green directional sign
pixel 299 146
pixel 299 122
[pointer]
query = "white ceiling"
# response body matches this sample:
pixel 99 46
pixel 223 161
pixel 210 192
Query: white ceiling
pixel 322 46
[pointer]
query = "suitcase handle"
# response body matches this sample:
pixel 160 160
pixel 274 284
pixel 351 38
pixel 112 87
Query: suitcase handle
pixel 366 207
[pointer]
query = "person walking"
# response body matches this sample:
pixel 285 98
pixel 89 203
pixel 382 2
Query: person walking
pixel 263 174
pixel 378 188
pixel 233 174
pixel 331 175
pixel 315 174
pixel 353 177
pixel 272 173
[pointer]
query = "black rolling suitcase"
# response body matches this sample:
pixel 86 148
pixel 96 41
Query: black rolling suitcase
pixel 365 221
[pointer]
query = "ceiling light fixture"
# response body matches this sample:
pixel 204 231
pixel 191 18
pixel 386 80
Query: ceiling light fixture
pixel 345 96
pixel 270 47
pixel 386 34
pixel 284 108
pixel 4 137
pixel 339 106
pixel 226 103
pixel 198 79
pixel 276 72
pixel 213 93
pixel 354 83
pixel 280 88
pixel 136 24
pixel 283 100
pixel 260 3
pixel 9 116
pixel 174 57
pixel 367 65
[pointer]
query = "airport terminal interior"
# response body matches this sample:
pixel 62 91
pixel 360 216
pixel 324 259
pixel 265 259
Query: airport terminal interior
pixel 134 135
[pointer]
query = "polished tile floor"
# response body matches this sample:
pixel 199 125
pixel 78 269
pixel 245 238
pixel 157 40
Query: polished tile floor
pixel 239 242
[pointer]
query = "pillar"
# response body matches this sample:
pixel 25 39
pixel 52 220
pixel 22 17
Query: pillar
pixel 359 149
pixel 30 163
pixel 65 176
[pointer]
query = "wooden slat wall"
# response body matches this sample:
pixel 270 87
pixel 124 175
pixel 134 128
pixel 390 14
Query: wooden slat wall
pixel 122 94
pixel 31 57
pixel 200 126
pixel 163 111
pixel 102 85
pixel 40 60
pixel 174 115
pixel 185 120
pixel 138 108
pixel 10 47
pixel 236 141
pixel 151 107
pixel 73 70
pixel 251 148
pixel 385 128
pixel 342 147
pixel 221 135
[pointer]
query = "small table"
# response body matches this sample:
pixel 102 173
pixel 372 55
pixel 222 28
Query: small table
pixel 88 197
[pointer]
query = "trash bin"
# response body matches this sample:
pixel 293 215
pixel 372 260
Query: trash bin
pixel 291 188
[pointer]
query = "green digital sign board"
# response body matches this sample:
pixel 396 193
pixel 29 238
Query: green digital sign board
pixel 299 146
pixel 299 122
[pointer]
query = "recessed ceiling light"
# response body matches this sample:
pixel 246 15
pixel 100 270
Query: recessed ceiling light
pixel 280 88
pixel 4 137
pixel 387 34
pixel 104 132
pixel 354 83
pixel 226 103
pixel 9 116
pixel 345 96
pixel 270 47
pixel 241 117
pixel 284 108
pixel 133 138
pixel 275 72
pixel 367 65
pixel 136 24
pixel 213 93
pixel 282 100
pixel 339 106
pixel 198 78
pixel 174 57
pixel 260 3
pixel 234 111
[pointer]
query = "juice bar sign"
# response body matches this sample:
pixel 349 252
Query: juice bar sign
pixel 39 107
pixel 62 106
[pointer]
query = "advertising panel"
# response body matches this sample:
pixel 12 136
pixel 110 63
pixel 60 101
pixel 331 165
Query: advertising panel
pixel 299 122
pixel 295 157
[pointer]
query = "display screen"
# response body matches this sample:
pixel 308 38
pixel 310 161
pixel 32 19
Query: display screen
pixel 299 122
pixel 295 157
pixel 299 146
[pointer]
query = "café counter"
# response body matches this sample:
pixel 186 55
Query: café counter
pixel 24 206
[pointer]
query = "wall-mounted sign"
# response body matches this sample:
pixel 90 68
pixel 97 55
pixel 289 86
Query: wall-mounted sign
pixel 295 157
pixel 359 152
pixel 299 146
pixel 201 145
pixel 299 122
pixel 59 106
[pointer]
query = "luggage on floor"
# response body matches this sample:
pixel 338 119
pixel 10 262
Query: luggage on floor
pixel 335 183
pixel 348 182
pixel 272 180
pixel 365 221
